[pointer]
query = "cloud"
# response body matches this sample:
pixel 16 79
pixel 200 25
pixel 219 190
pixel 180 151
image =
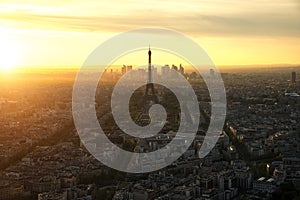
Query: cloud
pixel 228 18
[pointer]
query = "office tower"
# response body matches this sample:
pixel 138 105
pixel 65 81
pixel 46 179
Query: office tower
pixel 165 71
pixel 123 69
pixel 212 72
pixel 181 69
pixel 293 77
pixel 154 71
pixel 174 67
pixel 129 68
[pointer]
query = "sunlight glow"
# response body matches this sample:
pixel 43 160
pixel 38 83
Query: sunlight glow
pixel 233 33
pixel 9 52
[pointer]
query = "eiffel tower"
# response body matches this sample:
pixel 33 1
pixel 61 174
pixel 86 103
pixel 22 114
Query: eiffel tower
pixel 150 95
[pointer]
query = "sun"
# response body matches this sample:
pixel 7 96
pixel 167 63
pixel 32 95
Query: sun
pixel 8 55
pixel 9 52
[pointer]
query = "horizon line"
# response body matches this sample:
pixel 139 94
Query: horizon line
pixel 217 66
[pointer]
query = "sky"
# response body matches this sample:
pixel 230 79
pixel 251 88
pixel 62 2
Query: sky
pixel 62 33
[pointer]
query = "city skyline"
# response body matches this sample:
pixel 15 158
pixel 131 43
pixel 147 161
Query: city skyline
pixel 63 33
pixel 149 100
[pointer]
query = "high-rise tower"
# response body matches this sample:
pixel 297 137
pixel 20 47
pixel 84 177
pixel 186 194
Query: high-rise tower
pixel 293 77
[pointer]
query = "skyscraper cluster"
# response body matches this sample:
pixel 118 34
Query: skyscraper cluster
pixel 125 68
pixel 165 70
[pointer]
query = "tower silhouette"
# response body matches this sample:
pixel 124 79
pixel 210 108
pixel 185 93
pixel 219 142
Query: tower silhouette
pixel 150 92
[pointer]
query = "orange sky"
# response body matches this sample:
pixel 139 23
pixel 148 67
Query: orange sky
pixel 64 32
